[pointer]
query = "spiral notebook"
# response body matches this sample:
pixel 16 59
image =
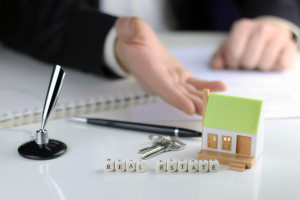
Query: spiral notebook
pixel 24 83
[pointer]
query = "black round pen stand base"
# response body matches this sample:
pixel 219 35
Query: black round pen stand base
pixel 32 150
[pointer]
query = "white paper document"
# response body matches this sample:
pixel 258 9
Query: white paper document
pixel 278 90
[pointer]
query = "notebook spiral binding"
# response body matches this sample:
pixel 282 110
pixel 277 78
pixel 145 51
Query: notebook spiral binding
pixel 77 107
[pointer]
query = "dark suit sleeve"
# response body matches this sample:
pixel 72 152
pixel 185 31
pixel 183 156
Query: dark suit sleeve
pixel 218 15
pixel 69 33
pixel 286 9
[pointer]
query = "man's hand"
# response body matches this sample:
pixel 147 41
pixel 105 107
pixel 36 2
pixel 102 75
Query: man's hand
pixel 142 55
pixel 254 44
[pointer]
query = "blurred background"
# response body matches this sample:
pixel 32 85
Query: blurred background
pixel 162 15
pixel 154 12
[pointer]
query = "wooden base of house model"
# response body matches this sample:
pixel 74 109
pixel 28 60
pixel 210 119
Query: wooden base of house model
pixel 235 162
pixel 232 130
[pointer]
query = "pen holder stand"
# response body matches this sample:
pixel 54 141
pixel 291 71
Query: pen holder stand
pixel 42 148
pixel 35 151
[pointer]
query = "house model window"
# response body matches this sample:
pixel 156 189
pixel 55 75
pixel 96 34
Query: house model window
pixel 226 143
pixel 212 141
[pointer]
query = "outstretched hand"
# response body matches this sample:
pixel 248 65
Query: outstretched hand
pixel 141 54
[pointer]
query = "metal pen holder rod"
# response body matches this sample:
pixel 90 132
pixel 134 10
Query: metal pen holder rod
pixel 54 88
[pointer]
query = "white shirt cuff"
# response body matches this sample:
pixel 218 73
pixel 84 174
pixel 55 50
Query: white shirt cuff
pixel 109 54
pixel 295 30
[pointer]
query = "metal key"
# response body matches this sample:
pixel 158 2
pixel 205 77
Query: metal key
pixel 158 138
pixel 144 150
pixel 161 147
pixel 176 144
pixel 156 141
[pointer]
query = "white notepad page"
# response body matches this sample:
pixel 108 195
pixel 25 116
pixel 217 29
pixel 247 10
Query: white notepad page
pixel 24 83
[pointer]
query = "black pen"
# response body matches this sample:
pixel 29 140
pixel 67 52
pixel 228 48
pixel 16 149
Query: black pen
pixel 165 130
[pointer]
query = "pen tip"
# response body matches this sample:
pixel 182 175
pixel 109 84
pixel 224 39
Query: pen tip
pixel 199 134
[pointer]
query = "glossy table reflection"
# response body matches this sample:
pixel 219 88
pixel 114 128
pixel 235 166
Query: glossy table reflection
pixel 79 173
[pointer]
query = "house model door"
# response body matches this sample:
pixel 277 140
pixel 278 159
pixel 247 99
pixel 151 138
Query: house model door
pixel 243 145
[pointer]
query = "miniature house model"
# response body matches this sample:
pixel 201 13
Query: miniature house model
pixel 232 130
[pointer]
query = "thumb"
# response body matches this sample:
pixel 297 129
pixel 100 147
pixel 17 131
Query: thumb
pixel 129 28
pixel 218 61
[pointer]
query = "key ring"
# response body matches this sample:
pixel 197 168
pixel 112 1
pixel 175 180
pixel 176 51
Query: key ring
pixel 154 137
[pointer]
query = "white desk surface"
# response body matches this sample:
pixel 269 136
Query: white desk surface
pixel 79 173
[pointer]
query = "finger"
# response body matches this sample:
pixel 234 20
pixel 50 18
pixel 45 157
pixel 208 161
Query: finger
pixel 197 101
pixel 178 70
pixel 193 90
pixel 255 46
pixel 154 76
pixel 236 42
pixel 181 72
pixel 175 76
pixel 270 53
pixel 162 85
pixel 175 97
pixel 187 89
pixel 211 85
pixel 178 99
pixel 218 60
pixel 286 57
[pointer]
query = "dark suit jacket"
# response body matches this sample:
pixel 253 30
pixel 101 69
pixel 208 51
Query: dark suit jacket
pixel 218 15
pixel 72 32
pixel 66 32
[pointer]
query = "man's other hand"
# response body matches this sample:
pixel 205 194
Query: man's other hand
pixel 255 44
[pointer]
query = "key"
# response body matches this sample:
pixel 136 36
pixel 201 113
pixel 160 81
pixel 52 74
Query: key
pixel 177 144
pixel 159 138
pixel 144 150
pixel 156 140
pixel 162 147
pixel 159 146
pixel 155 151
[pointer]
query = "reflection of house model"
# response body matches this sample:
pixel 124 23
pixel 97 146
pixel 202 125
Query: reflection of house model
pixel 232 130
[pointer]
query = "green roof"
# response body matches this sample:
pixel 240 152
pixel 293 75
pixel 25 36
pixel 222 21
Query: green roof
pixel 233 113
